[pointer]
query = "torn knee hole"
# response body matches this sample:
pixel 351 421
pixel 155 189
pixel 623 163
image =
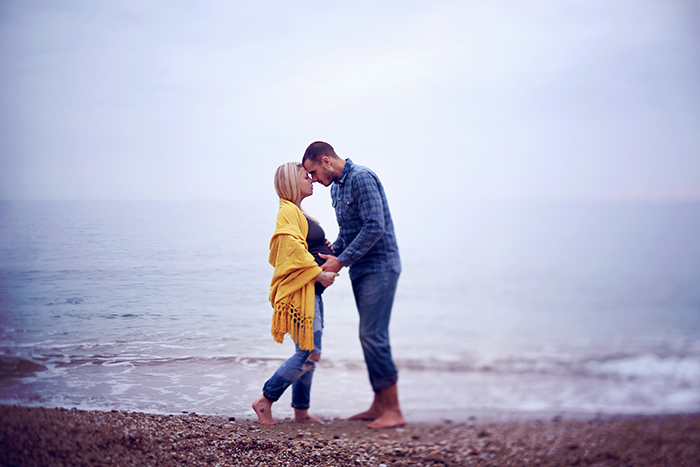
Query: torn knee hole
pixel 315 357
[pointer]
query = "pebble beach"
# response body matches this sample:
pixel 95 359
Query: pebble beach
pixel 61 437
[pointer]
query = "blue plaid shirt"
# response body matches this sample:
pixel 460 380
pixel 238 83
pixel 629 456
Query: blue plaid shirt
pixel 366 241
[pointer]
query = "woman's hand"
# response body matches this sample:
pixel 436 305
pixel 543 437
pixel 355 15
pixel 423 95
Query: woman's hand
pixel 326 278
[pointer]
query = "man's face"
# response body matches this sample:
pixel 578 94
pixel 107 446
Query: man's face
pixel 321 173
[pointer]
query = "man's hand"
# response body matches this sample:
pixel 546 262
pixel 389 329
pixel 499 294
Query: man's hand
pixel 332 264
pixel 330 246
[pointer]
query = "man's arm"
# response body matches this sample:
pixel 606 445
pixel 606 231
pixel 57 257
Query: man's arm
pixel 365 190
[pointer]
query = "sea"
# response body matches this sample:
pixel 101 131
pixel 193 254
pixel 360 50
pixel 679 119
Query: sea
pixel 517 308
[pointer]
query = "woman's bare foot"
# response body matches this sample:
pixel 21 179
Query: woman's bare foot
pixel 263 407
pixel 302 416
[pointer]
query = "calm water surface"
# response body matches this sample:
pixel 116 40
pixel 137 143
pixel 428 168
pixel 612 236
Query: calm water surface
pixel 528 307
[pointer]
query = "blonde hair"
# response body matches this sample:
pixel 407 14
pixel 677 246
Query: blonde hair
pixel 287 183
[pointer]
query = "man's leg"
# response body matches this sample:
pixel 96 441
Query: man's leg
pixel 374 296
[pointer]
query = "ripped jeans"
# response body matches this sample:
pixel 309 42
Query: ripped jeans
pixel 298 370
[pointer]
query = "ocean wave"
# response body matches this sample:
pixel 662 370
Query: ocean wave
pixel 681 368
pixel 150 360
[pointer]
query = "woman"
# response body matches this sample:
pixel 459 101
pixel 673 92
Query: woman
pixel 295 294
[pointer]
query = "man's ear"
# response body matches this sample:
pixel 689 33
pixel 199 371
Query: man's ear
pixel 326 162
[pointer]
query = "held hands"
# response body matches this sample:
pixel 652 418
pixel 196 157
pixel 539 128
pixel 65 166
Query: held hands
pixel 330 268
pixel 326 278
pixel 332 264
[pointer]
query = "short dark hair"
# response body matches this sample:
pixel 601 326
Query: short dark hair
pixel 316 151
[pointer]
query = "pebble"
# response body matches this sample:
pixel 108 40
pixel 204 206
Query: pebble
pixel 31 435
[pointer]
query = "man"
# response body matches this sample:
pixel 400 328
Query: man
pixel 367 244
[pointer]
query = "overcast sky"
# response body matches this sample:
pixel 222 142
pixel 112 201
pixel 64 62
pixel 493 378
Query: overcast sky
pixel 552 99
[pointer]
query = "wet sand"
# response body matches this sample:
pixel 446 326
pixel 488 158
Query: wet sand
pixel 59 437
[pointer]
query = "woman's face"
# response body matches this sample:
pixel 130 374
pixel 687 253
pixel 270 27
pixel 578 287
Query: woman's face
pixel 306 187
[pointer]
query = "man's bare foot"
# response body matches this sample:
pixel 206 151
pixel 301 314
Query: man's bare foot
pixel 389 419
pixel 302 416
pixel 375 411
pixel 371 414
pixel 263 408
pixel 385 410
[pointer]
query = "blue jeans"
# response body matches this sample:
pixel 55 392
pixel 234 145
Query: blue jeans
pixel 374 296
pixel 298 370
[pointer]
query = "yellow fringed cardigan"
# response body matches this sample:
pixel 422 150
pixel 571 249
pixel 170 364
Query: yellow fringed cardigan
pixel 292 287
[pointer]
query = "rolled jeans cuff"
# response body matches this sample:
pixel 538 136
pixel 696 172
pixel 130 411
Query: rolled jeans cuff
pixel 379 384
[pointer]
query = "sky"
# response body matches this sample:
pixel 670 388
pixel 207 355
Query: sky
pixel 445 100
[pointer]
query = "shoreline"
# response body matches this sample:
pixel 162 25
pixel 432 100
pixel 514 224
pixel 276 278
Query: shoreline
pixel 34 436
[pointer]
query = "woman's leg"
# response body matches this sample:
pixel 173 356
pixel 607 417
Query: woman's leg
pixel 296 367
pixel 301 388
pixel 286 374
pixel 301 392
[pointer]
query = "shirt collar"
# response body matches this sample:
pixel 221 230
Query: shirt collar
pixel 345 172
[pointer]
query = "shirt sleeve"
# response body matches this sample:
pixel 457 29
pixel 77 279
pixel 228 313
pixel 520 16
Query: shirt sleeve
pixel 337 246
pixel 365 190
